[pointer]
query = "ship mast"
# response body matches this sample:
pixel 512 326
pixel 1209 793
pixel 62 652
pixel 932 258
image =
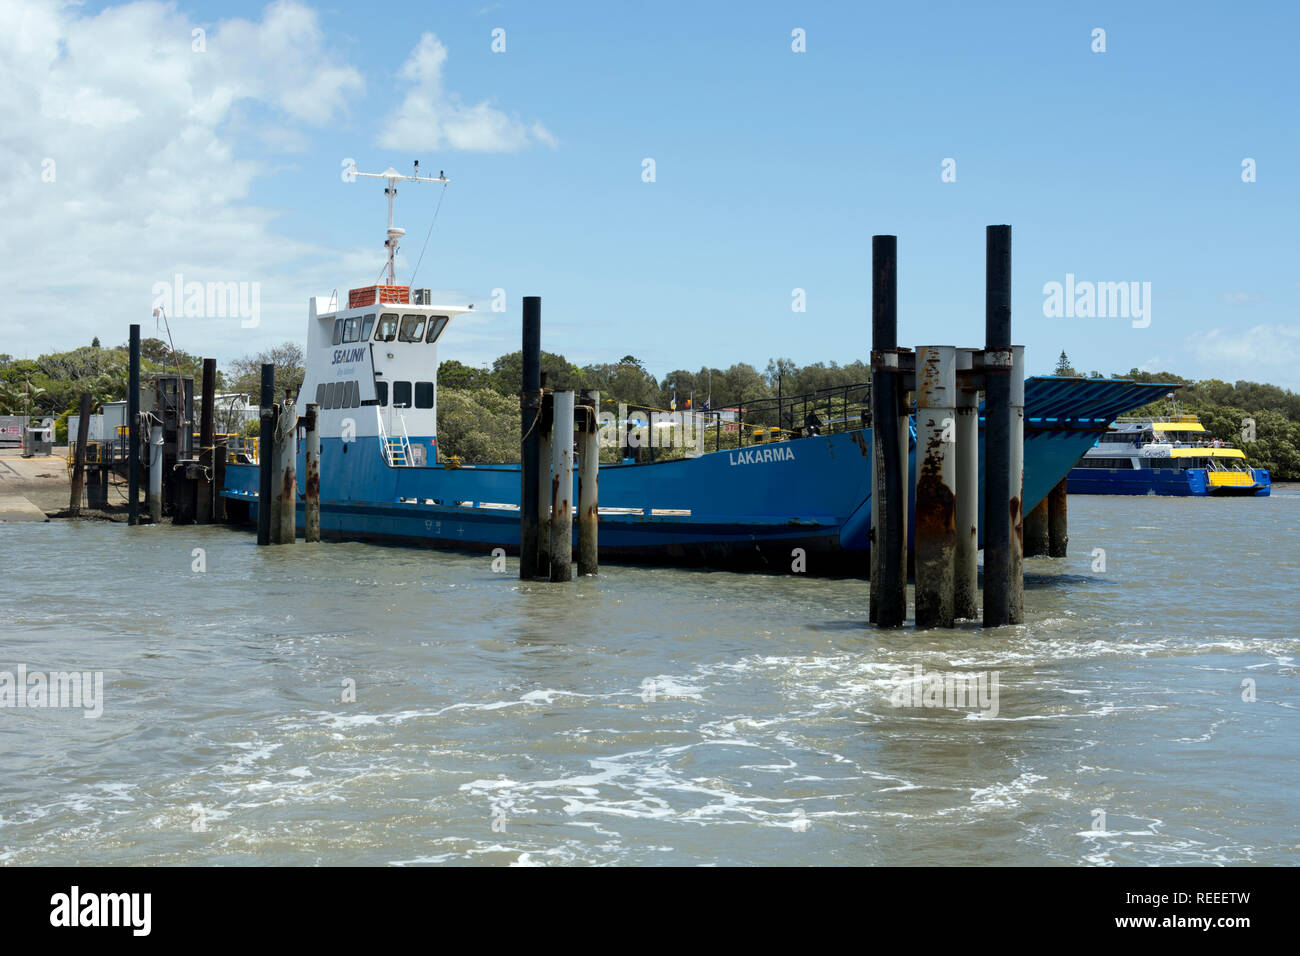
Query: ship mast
pixel 395 233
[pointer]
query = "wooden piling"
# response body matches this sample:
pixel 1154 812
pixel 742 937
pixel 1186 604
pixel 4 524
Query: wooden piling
pixel 203 491
pixel 311 467
pixel 998 492
pixel 889 536
pixel 1057 521
pixel 530 407
pixel 936 484
pixel 588 483
pixel 79 461
pixel 562 488
pixel 266 409
pixel 966 519
pixel 133 429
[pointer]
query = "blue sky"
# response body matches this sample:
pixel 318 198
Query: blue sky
pixel 773 170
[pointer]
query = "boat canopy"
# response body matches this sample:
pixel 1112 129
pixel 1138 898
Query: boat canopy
pixel 1207 453
pixel 1177 426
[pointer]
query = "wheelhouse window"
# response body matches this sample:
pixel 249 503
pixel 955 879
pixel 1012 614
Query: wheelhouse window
pixel 367 326
pixel 412 328
pixel 338 331
pixel 424 395
pixel 436 324
pixel 350 329
pixel 386 331
pixel 320 395
pixel 381 392
pixel 401 394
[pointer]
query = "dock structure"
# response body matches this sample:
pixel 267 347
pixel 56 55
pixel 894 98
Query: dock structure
pixel 547 440
pixel 946 382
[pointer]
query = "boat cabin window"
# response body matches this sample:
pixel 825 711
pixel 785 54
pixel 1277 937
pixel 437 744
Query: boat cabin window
pixel 412 328
pixel 367 326
pixel 401 394
pixel 381 392
pixel 387 328
pixel 424 395
pixel 350 329
pixel 338 331
pixel 436 324
pixel 320 396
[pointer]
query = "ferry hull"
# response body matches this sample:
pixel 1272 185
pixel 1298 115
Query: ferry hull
pixel 1162 482
pixel 747 509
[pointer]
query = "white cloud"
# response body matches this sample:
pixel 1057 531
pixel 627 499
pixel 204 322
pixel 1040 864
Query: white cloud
pixel 142 133
pixel 1269 353
pixel 432 118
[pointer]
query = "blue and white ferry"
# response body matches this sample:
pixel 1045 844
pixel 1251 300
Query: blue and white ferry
pixel 372 368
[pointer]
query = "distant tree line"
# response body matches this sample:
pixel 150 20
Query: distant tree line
pixel 478 408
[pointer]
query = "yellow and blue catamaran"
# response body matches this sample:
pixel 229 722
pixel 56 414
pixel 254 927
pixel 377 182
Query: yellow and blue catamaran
pixel 1173 455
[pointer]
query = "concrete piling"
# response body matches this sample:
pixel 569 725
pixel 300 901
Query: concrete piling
pixel 287 478
pixel 966 518
pixel 562 487
pixel 936 484
pixel 545 462
pixel 1016 566
pixel 1057 523
pixel 530 407
pixel 588 482
pixel 1036 539
pixel 155 472
pixel 266 409
pixel 311 468
pixel 219 479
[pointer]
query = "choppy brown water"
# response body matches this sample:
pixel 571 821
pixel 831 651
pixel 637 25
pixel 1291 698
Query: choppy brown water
pixel 649 716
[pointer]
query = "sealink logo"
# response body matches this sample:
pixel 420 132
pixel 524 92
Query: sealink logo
pixel 103 909
pixel 348 355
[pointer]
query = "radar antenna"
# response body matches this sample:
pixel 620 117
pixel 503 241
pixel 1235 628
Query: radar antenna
pixel 395 233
